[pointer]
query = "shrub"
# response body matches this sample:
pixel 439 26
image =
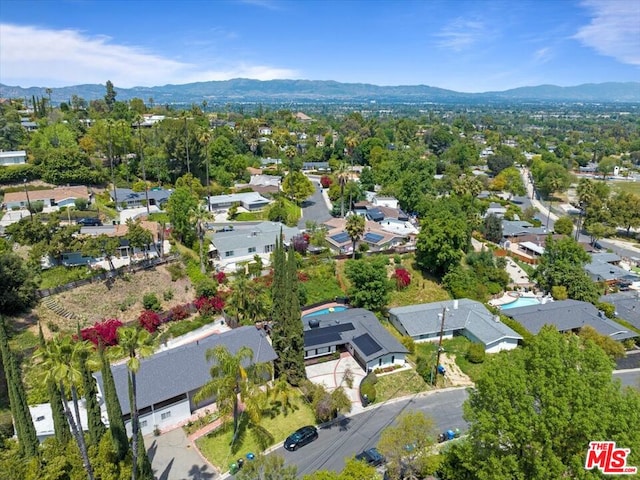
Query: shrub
pixel 368 387
pixel 409 344
pixel 476 353
pixel 559 292
pixel 397 259
pixel 325 181
pixel 403 278
pixel 105 332
pixel 209 305
pixel 609 309
pixel 149 320
pixel 176 270
pixel 168 295
pixel 300 244
pixel 221 277
pixel 179 312
pixel 80 203
pixel 207 287
pixel 150 302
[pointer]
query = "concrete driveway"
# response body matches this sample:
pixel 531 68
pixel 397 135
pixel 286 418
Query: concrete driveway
pixel 331 375
pixel 174 458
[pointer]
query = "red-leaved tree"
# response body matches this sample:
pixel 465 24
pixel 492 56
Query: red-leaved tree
pixel 104 332
pixel 403 278
pixel 149 320
pixel 209 305
pixel 221 278
pixel 325 181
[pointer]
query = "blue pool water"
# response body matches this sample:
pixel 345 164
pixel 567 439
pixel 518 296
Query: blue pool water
pixel 324 311
pixel 521 302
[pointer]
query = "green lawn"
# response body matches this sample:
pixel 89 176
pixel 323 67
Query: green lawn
pixel 630 187
pixel 456 346
pixel 61 275
pixel 399 384
pixel 251 216
pixel 322 283
pixel 423 289
pixel 215 446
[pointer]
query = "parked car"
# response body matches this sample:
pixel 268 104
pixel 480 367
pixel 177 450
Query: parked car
pixel 371 456
pixel 89 222
pixel 301 437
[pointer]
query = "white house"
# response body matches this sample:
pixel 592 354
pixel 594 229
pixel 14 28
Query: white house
pixel 358 331
pixel 242 244
pixel 55 197
pixel 43 418
pixel 248 200
pixel 466 317
pixel 168 380
pixel 18 157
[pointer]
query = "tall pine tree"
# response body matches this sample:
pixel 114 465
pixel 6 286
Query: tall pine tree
pixel 60 424
pixel 94 417
pixel 286 335
pixel 114 411
pixel 25 430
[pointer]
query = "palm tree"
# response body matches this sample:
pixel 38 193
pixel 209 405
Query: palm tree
pixel 199 216
pixel 343 177
pixel 135 343
pixel 355 228
pixel 60 359
pixel 235 378
pixel 204 138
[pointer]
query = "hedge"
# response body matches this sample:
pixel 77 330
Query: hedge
pixel 17 173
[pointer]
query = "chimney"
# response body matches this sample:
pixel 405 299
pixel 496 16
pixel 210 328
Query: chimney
pixel 455 304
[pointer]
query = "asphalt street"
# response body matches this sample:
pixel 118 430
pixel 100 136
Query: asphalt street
pixel 314 208
pixel 353 434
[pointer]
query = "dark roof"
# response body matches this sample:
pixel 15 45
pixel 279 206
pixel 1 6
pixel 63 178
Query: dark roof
pixel 340 237
pixel 627 306
pixel 375 214
pixel 356 326
pixel 372 237
pixel 182 369
pixel 568 315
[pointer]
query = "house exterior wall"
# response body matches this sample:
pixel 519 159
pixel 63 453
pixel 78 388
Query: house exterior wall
pixel 387 361
pixel 13 158
pixel 173 414
pixel 505 344
pixel 318 352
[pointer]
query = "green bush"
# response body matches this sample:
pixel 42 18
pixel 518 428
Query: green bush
pixel 17 173
pixel 150 302
pixel 368 387
pixel 409 344
pixel 608 308
pixel 518 328
pixel 207 287
pixel 168 295
pixel 176 270
pixel 476 353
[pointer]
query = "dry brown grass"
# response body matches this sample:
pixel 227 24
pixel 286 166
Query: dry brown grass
pixel 121 300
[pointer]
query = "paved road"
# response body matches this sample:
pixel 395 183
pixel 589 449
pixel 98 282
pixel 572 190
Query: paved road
pixel 630 378
pixel 315 207
pixel 353 434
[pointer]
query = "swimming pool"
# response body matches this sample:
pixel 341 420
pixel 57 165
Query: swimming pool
pixel 324 311
pixel 521 302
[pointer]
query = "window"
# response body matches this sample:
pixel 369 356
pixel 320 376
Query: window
pixel 143 423
pixel 252 249
pixel 269 248
pixel 165 415
pixel 229 253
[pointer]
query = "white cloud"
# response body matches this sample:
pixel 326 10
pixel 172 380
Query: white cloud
pixel 31 56
pixel 614 29
pixel 461 34
pixel 542 55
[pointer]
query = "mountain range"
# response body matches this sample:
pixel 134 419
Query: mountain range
pixel 300 91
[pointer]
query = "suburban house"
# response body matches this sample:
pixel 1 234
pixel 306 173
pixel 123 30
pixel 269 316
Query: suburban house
pixel 604 267
pixel 18 157
pixel 227 249
pixel 627 305
pixel 168 380
pixel 265 162
pixel 495 209
pixel 316 166
pixel 264 130
pixel 249 200
pixel 127 198
pixel 262 184
pixel 568 316
pixel 303 118
pixel 375 236
pixel 54 197
pixel 355 330
pixel 382 201
pixel 424 322
pixel 513 230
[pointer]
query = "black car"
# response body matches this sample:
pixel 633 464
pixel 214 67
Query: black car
pixel 301 437
pixel 89 222
pixel 372 456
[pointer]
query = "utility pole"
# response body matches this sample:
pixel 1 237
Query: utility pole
pixel 186 143
pixel 113 175
pixel 442 317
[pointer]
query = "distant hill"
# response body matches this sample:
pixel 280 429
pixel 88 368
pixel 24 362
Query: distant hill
pixel 246 90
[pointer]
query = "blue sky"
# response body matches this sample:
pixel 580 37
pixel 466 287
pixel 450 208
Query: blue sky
pixel 470 46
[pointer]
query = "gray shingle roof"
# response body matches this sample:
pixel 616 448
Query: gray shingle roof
pixel 258 236
pixel 627 306
pixel 424 319
pixel 513 228
pixel 182 369
pixel 567 315
pixel 363 322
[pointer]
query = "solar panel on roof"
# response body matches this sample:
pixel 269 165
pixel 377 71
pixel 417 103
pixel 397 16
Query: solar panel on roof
pixel 330 334
pixel 366 344
pixel 373 237
pixel 340 237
